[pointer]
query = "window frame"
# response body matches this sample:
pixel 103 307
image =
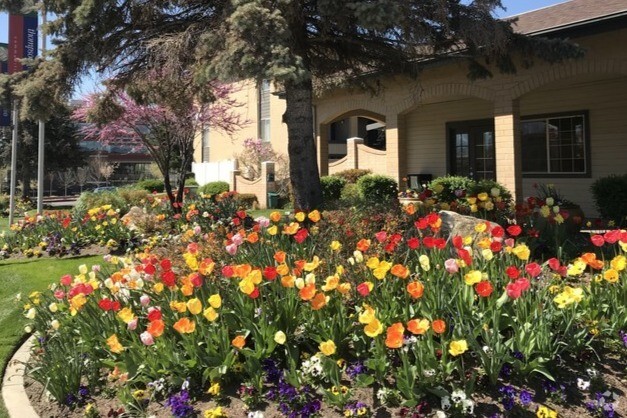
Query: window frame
pixel 264 93
pixel 561 115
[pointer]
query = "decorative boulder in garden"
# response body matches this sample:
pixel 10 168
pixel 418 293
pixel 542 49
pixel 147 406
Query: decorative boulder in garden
pixel 455 224
pixel 138 220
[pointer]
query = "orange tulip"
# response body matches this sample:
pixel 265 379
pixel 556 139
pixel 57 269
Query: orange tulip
pixel 239 341
pixel 418 326
pixel 253 237
pixel 363 245
pixel 291 229
pixel 415 289
pixel 156 327
pixel 400 271
pixel 282 269
pixel 439 326
pixel 206 267
pixel 308 292
pixel 394 338
pixel 287 281
pixel 314 216
pixel 242 270
pixel 319 301
pixel 185 326
pixel 279 257
pixel 275 216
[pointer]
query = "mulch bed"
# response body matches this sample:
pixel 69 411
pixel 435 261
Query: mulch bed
pixel 612 370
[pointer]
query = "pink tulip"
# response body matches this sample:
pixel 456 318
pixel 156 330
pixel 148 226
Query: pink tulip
pixel 147 338
pixel 132 324
pixel 144 300
pixel 231 249
pixel 451 266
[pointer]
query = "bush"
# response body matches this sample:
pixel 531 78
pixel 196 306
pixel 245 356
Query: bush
pixel 214 188
pixel 151 185
pixel 4 203
pixel 89 200
pixel 450 188
pixel 375 188
pixel 247 200
pixel 350 195
pixel 133 196
pixel 332 187
pixel 352 175
pixel 610 197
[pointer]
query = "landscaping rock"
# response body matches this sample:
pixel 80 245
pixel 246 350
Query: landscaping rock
pixel 455 224
pixel 138 220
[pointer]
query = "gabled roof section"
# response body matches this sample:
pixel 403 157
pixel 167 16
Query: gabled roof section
pixel 567 15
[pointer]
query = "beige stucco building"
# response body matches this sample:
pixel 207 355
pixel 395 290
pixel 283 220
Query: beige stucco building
pixel 563 124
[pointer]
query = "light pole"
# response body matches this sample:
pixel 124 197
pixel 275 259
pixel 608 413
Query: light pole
pixel 42 129
pixel 14 127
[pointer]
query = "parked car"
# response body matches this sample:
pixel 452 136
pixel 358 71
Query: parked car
pixel 105 189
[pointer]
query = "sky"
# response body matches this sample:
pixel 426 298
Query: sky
pixel 513 7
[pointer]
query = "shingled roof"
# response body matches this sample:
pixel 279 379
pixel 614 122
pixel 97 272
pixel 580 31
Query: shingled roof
pixel 567 14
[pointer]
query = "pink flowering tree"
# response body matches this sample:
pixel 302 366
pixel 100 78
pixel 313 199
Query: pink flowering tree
pixel 162 117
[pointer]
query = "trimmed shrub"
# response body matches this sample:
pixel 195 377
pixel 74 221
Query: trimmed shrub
pixel 487 186
pixel 450 188
pixel 89 200
pixel 610 197
pixel 133 196
pixel 151 185
pixel 214 188
pixel 350 195
pixel 352 175
pixel 332 187
pixel 247 200
pixel 375 188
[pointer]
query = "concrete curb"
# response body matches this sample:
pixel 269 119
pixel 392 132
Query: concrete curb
pixel 13 393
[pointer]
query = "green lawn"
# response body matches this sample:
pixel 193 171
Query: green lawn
pixel 4 224
pixel 25 276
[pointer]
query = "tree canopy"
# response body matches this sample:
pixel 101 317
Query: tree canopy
pixel 292 42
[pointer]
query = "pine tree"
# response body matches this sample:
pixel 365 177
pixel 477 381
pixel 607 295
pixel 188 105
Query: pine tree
pixel 295 43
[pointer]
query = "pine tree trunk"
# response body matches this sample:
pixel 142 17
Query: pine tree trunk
pixel 304 175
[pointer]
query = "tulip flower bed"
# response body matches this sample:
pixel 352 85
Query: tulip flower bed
pixel 321 317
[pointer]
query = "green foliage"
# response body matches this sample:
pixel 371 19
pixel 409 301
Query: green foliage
pixel 610 197
pixel 375 188
pixel 450 188
pixel 332 187
pixel 247 200
pixel 4 203
pixel 89 200
pixel 214 188
pixel 132 196
pixel 353 174
pixel 490 187
pixel 350 195
pixel 151 185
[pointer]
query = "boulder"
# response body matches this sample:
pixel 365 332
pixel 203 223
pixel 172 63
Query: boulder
pixel 138 220
pixel 455 224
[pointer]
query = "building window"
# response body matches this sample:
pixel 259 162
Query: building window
pixel 556 145
pixel 264 110
pixel 205 145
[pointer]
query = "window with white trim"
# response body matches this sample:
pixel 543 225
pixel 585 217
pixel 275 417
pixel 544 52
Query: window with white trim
pixel 205 145
pixel 264 110
pixel 556 145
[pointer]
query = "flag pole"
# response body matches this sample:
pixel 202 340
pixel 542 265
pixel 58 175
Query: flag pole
pixel 13 162
pixel 42 129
